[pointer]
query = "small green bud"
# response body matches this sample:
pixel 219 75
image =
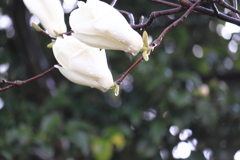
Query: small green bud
pixel 36 27
pixel 50 45
pixel 145 55
pixel 145 38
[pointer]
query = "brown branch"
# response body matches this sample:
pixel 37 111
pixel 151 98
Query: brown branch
pixel 235 4
pixel 210 12
pixel 157 42
pixel 130 16
pixel 214 7
pixel 119 81
pixel 226 5
pixel 156 14
pixel 202 10
pixel 42 31
pixel 113 2
pixel 20 83
pixel 167 3
pixel 68 33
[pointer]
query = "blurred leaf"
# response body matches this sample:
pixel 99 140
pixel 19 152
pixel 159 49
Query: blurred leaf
pixel 145 149
pixel 73 125
pixel 207 113
pixel 80 139
pixel 118 140
pixel 50 122
pixel 102 149
pixel 44 152
pixel 157 131
pixel 186 75
pixel 24 133
pixel 179 98
pixel 11 135
pixel 6 155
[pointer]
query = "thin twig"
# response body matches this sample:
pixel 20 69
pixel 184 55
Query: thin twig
pixel 214 7
pixel 47 35
pixel 166 3
pixel 130 16
pixel 113 3
pixel 68 33
pixel 8 87
pixel 156 14
pixel 202 10
pixel 235 4
pixel 210 12
pixel 157 42
pixel 119 81
pixel 19 83
pixel 226 5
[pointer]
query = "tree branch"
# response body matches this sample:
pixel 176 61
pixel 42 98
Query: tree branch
pixel 157 42
pixel 226 5
pixel 167 3
pixel 119 81
pixel 20 83
pixel 130 16
pixel 210 12
pixel 113 2
pixel 156 14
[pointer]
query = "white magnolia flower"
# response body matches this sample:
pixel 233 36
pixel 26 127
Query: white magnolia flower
pixel 100 25
pixel 50 13
pixel 82 64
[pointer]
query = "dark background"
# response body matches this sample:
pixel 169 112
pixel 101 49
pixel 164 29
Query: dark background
pixel 54 119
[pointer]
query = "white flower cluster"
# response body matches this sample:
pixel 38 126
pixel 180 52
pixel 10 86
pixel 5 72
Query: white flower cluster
pixel 96 26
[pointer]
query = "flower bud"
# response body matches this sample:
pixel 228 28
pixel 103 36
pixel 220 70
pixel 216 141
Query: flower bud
pixel 100 25
pixel 50 13
pixel 82 64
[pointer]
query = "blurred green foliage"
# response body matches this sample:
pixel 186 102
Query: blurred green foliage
pixel 52 118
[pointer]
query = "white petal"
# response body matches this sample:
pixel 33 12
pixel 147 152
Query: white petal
pixel 100 25
pixel 99 8
pixel 102 83
pixel 64 48
pixel 81 19
pixel 92 63
pixel 129 40
pixel 50 13
pixel 82 64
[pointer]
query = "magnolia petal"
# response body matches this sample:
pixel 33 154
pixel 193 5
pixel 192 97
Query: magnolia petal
pixel 99 41
pixel 80 19
pixel 50 13
pixel 100 25
pixel 100 9
pixel 128 39
pixel 82 64
pixel 81 79
pixel 64 47
pixel 92 63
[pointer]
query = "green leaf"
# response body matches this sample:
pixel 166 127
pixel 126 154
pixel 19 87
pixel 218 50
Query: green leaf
pixel 118 140
pixel 102 149
pixel 179 98
pixel 50 122
pixel 80 139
